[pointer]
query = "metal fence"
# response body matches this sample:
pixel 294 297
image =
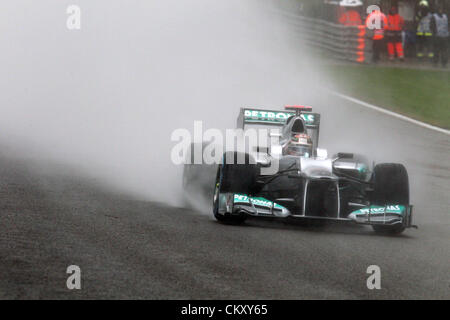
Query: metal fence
pixel 350 43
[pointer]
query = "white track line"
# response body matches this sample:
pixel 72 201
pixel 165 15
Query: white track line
pixel 396 115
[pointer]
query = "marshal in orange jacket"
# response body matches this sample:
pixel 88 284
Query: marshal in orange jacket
pixel 395 22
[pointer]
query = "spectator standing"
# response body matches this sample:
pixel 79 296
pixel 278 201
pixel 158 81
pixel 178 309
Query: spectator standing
pixel 394 34
pixel 424 33
pixel 441 32
pixel 377 22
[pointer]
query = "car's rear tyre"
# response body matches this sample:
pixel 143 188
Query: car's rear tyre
pixel 391 186
pixel 234 178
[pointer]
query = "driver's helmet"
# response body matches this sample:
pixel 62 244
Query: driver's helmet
pixel 300 145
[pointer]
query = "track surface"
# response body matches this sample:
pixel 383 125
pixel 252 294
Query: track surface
pixel 133 249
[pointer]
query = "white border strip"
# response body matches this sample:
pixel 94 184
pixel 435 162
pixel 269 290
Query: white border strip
pixel 396 115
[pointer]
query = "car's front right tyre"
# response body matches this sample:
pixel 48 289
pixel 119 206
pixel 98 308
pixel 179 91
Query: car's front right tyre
pixel 223 218
pixel 234 177
pixel 391 186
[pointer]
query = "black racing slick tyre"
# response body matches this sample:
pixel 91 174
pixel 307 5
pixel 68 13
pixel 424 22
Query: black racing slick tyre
pixel 237 177
pixel 233 177
pixel 391 186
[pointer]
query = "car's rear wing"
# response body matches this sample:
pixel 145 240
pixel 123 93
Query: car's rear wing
pixel 274 117
pixel 279 118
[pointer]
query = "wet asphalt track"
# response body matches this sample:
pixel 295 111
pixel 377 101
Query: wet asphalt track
pixel 135 249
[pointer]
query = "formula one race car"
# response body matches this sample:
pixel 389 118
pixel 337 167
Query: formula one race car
pixel 308 184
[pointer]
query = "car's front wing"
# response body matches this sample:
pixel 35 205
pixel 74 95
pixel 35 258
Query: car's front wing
pixel 390 214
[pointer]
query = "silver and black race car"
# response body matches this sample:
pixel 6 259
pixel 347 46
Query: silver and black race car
pixel 307 183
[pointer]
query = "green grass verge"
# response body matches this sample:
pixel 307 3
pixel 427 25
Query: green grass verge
pixel 420 94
